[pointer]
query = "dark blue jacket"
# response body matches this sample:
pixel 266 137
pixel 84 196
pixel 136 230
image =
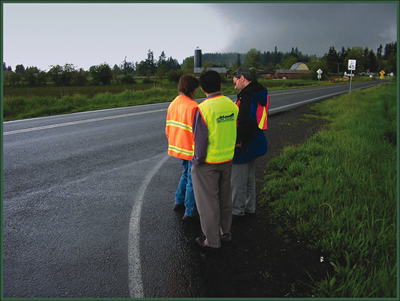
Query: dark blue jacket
pixel 254 142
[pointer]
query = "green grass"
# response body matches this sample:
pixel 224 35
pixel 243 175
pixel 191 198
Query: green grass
pixel 39 106
pixel 338 191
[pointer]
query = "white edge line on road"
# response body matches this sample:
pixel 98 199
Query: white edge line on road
pixel 306 101
pixel 78 122
pixel 134 264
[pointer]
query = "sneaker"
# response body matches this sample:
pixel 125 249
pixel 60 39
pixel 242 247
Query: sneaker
pixel 251 215
pixel 179 207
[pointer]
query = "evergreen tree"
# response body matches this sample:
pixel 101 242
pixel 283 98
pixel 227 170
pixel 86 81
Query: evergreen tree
pixel 342 62
pixel 127 67
pixel 172 64
pixel 366 60
pixel 390 48
pixel 116 73
pixel 150 64
pixel 238 61
pixel 332 59
pixel 379 52
pixel 294 53
pixel 267 58
pixel 373 64
pixel 20 69
pixel 161 60
pixel 277 56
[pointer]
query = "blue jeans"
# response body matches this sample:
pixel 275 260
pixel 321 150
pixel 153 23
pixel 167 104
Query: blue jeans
pixel 184 194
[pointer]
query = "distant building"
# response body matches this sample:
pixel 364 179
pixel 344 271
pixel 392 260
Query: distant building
pixel 294 72
pixel 299 66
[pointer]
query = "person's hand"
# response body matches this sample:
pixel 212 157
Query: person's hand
pixel 238 144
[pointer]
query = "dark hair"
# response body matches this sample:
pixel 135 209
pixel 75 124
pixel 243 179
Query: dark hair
pixel 187 84
pixel 210 81
pixel 245 72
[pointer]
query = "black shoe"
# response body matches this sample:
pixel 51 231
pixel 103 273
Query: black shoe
pixel 200 242
pixel 187 218
pixel 251 215
pixel 179 207
pixel 226 238
pixel 237 218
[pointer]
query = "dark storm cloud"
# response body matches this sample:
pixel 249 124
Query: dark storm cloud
pixel 311 27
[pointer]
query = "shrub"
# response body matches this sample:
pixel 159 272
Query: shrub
pixel 174 75
pixel 128 79
pixel 305 76
pixel 147 81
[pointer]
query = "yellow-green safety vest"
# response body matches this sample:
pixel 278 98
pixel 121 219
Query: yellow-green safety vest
pixel 220 114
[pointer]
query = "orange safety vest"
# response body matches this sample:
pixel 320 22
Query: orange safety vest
pixel 179 130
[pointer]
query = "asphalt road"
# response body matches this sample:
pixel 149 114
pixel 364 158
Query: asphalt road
pixel 87 204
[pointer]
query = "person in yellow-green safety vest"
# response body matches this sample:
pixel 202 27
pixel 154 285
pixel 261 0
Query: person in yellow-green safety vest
pixel 214 129
pixel 179 133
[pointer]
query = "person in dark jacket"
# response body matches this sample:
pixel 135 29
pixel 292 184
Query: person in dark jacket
pixel 251 143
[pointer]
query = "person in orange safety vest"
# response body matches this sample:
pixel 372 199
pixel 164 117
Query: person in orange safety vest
pixel 179 133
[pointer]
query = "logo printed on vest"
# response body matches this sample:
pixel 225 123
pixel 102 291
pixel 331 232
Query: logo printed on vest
pixel 225 117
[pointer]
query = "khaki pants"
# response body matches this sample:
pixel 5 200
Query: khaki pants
pixel 213 194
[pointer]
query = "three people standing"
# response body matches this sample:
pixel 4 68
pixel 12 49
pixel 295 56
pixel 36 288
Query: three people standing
pixel 217 142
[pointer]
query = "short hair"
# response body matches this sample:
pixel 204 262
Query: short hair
pixel 210 81
pixel 187 84
pixel 245 72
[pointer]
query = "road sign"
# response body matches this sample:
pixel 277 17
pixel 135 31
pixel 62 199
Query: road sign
pixel 352 65
pixel 382 72
pixel 319 71
pixel 319 75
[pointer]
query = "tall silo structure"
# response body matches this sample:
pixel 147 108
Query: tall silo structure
pixel 197 58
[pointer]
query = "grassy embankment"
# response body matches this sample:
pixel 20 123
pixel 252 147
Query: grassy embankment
pixel 338 192
pixel 31 102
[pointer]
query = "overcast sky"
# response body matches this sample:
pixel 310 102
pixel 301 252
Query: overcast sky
pixel 87 34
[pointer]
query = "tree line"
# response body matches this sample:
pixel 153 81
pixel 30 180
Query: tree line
pixel 333 62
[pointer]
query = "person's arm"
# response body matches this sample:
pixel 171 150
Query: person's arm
pixel 200 132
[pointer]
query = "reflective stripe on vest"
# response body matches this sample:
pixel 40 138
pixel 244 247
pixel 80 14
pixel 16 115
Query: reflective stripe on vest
pixel 179 127
pixel 220 114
